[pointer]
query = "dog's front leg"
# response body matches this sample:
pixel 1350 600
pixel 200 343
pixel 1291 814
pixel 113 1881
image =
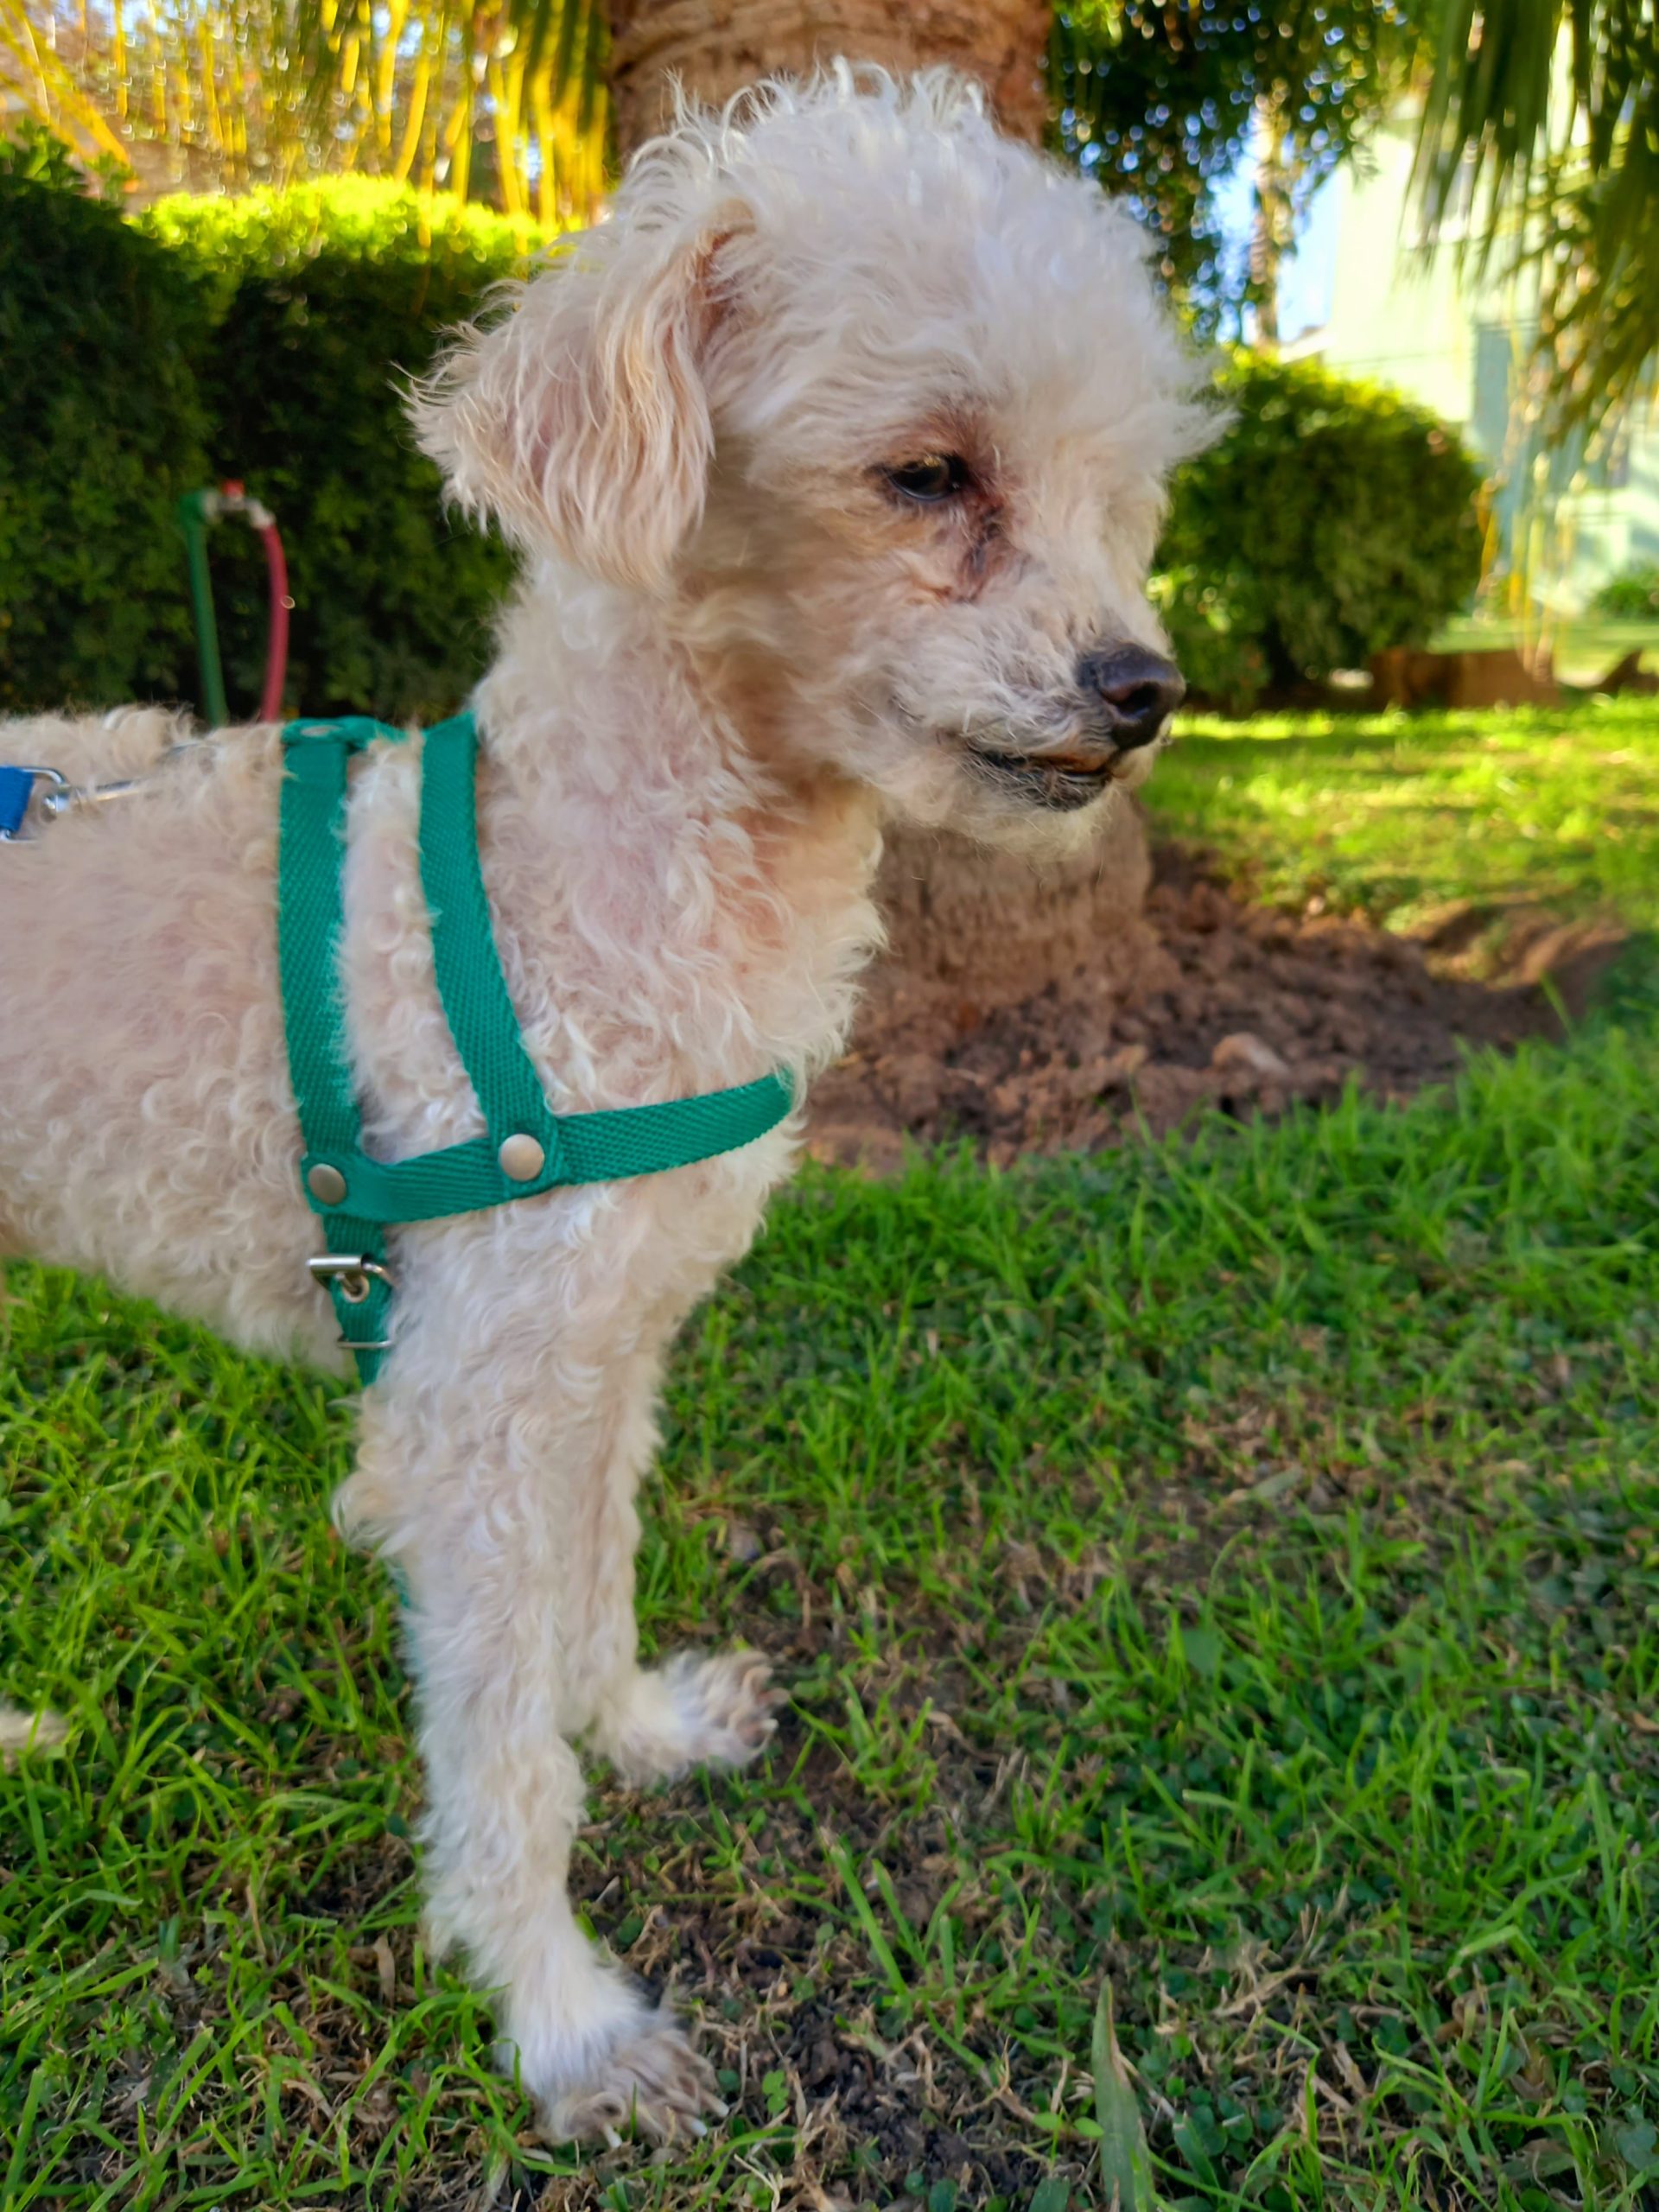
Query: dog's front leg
pixel 654 1723
pixel 500 1482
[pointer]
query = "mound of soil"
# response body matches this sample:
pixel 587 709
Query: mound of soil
pixel 1199 997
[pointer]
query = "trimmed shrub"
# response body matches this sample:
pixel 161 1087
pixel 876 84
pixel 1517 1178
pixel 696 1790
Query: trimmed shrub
pixel 320 302
pixel 1332 520
pixel 101 428
pixel 266 337
pixel 1632 596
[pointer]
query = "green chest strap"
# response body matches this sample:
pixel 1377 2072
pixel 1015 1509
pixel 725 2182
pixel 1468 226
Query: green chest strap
pixel 529 1148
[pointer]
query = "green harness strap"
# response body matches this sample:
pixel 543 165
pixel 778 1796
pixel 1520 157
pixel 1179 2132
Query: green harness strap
pixel 529 1148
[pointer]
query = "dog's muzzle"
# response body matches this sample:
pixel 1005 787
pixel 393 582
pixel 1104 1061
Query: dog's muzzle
pixel 1131 694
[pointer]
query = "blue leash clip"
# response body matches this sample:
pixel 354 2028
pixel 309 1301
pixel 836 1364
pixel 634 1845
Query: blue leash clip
pixel 16 788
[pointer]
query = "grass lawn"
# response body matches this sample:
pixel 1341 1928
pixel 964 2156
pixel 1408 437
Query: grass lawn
pixel 1228 1569
pixel 1397 814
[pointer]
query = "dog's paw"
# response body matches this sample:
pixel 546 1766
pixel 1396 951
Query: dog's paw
pixel 653 2083
pixel 729 1706
pixel 21 1732
pixel 693 1712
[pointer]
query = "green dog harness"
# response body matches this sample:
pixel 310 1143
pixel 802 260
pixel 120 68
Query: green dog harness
pixel 529 1148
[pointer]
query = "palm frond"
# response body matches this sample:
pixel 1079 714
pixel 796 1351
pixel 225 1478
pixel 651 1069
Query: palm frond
pixel 503 98
pixel 45 87
pixel 1159 98
pixel 1545 113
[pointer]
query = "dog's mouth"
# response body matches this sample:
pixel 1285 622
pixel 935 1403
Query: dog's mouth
pixel 1061 782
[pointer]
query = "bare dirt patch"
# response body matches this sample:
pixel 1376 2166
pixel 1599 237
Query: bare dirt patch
pixel 1200 997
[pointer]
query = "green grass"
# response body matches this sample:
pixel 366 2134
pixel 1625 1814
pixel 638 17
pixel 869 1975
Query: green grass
pixel 1229 1568
pixel 1396 814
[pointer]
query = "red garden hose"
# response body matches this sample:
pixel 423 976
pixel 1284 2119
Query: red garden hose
pixel 196 511
pixel 270 699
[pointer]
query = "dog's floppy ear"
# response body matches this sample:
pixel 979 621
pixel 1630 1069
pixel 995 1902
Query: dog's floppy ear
pixel 579 418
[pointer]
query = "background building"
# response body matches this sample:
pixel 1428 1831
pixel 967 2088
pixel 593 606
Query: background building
pixel 1369 295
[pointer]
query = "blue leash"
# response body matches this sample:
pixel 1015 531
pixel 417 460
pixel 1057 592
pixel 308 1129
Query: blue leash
pixel 16 788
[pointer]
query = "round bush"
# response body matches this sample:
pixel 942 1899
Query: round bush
pixel 1331 519
pixel 1632 597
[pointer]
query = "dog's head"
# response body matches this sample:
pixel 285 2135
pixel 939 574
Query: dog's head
pixel 876 409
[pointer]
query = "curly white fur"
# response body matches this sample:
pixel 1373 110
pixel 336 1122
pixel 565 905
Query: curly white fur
pixel 735 645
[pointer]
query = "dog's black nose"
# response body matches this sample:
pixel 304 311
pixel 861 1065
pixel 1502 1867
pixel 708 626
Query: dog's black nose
pixel 1141 690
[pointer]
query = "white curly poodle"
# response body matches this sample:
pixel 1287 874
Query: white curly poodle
pixel 836 457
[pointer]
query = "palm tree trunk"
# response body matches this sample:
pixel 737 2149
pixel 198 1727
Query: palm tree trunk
pixel 1272 229
pixel 716 46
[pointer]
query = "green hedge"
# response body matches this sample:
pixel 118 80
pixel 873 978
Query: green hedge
pixel 1332 518
pixel 101 427
pixel 265 337
pixel 320 302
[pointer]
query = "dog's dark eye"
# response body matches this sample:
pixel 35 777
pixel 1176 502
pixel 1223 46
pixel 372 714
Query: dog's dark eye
pixel 932 476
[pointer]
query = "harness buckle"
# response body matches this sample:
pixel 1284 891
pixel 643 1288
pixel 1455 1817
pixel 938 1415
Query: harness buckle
pixel 353 1275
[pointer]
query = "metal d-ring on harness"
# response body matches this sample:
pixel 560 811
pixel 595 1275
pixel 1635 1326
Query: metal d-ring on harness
pixel 529 1148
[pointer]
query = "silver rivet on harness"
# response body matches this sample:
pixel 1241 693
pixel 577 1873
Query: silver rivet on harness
pixel 326 1184
pixel 521 1158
